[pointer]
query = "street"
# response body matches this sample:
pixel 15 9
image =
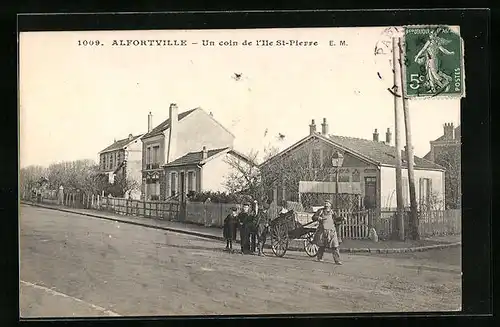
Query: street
pixel 73 265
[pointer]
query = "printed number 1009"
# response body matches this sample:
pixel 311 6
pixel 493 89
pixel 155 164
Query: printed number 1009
pixel 89 43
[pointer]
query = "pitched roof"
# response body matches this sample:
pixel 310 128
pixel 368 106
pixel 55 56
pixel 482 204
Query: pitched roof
pixel 166 124
pixel 120 144
pixel 377 153
pixel 193 158
pixel 380 152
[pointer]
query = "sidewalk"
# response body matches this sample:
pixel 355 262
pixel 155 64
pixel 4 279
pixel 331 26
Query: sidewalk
pixel 350 246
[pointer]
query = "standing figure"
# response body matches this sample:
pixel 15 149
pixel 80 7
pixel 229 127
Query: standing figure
pixel 245 222
pixel 429 56
pixel 326 234
pixel 230 227
pixel 262 223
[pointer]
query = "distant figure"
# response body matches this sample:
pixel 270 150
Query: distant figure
pixel 245 221
pixel 230 228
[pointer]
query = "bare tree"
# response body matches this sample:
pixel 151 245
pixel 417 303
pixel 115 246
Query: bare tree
pixel 244 177
pixel 29 179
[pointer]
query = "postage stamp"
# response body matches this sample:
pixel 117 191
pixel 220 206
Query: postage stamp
pixel 433 62
pixel 212 149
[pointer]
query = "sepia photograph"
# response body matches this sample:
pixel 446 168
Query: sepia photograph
pixel 240 172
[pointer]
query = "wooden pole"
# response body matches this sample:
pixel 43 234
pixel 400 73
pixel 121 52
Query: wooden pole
pixel 397 131
pixel 413 223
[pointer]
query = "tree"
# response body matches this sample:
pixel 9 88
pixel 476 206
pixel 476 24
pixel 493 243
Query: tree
pixel 121 186
pixel 244 178
pixel 30 178
pixel 450 159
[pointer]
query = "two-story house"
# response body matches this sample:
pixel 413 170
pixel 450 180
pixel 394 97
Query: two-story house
pixel 446 151
pixel 180 134
pixel 123 158
pixel 304 172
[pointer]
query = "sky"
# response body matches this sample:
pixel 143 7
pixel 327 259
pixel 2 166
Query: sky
pixel 75 100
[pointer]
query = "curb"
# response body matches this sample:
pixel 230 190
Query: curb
pixel 220 238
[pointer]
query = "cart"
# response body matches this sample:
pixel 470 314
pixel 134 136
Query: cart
pixel 285 228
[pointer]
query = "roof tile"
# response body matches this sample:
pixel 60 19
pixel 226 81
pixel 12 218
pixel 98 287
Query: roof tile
pixel 120 144
pixel 193 158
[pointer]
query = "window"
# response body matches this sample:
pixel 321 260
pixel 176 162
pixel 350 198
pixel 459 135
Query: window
pixel 327 157
pixel 156 156
pixel 111 160
pixel 355 176
pixel 118 158
pixel 316 158
pixel 148 158
pixel 191 182
pixel 173 184
pixel 344 178
pixel 425 188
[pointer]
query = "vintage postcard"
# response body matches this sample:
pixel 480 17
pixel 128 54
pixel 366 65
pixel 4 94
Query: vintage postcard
pixel 240 172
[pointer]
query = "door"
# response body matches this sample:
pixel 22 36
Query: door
pixel 182 186
pixel 370 200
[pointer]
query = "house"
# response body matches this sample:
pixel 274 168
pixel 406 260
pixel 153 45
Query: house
pixel 204 170
pixel 304 172
pixel 445 151
pixel 175 137
pixel 123 158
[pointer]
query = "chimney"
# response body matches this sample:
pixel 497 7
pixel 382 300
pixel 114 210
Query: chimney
pixel 130 136
pixel 211 114
pixel 204 153
pixel 448 131
pixel 388 136
pixel 172 135
pixel 312 127
pixel 375 135
pixel 150 122
pixel 324 127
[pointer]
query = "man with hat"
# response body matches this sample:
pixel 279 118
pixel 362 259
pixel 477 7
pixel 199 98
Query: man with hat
pixel 326 234
pixel 230 227
pixel 245 220
pixel 262 223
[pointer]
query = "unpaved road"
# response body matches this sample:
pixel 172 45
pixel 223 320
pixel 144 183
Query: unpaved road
pixel 73 265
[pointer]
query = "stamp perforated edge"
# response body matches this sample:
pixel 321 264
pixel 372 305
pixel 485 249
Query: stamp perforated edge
pixel 462 65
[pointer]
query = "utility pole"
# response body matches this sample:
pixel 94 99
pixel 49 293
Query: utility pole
pixel 414 233
pixel 397 131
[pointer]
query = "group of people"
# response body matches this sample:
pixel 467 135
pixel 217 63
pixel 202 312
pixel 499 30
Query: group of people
pixel 254 227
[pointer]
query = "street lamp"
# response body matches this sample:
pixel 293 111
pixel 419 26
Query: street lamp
pixel 337 160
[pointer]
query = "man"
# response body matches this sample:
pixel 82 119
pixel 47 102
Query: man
pixel 326 234
pixel 245 220
pixel 262 223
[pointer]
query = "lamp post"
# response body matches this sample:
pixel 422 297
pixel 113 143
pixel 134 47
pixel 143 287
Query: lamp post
pixel 337 160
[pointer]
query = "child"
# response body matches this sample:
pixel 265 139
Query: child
pixel 230 227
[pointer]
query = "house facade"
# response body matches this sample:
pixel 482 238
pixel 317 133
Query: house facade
pixel 304 172
pixel 175 137
pixel 123 158
pixel 204 170
pixel 446 151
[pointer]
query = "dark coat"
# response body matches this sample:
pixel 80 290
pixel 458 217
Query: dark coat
pixel 230 227
pixel 246 222
pixel 262 221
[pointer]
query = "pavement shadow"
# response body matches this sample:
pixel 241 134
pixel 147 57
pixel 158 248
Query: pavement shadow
pixel 194 247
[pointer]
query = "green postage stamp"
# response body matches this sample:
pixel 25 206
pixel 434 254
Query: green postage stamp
pixel 434 62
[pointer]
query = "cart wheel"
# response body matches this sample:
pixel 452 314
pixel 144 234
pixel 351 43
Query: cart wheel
pixel 279 240
pixel 310 248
